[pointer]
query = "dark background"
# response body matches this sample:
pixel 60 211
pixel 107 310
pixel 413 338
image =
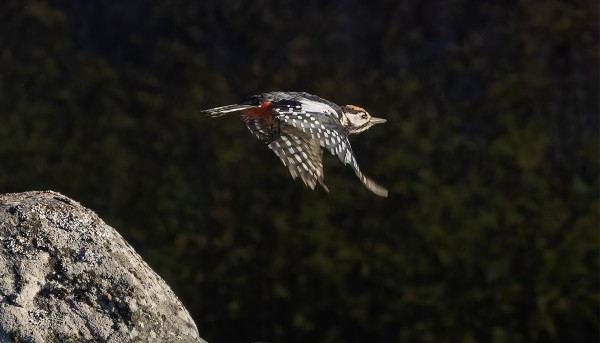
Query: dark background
pixel 490 153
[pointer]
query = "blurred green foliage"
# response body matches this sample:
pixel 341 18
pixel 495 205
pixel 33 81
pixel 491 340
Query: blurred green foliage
pixel 490 233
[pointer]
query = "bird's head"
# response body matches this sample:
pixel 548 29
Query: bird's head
pixel 358 120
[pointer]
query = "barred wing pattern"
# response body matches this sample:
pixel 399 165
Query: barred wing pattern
pixel 301 154
pixel 265 129
pixel 320 122
pixel 303 157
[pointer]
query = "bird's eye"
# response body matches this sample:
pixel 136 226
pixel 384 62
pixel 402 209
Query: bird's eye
pixel 364 116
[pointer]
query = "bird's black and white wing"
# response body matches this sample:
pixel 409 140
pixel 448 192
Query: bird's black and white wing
pixel 265 129
pixel 317 120
pixel 320 122
pixel 303 157
pixel 300 153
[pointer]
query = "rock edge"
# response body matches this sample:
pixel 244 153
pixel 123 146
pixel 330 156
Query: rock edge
pixel 66 276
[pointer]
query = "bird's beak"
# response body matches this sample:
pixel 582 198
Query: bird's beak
pixel 375 120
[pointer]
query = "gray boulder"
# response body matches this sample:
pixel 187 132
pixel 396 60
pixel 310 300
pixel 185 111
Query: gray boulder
pixel 66 276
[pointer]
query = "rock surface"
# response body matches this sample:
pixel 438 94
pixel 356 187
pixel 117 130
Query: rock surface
pixel 66 276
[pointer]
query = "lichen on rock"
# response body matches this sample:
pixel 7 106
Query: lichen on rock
pixel 66 276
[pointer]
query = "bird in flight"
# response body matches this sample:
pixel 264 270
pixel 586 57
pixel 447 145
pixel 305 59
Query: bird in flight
pixel 296 125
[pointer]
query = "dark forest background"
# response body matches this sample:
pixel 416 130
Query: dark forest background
pixel 490 153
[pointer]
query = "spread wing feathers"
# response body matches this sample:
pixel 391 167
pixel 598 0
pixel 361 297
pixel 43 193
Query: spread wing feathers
pixel 219 111
pixel 265 129
pixel 370 184
pixel 301 154
pixel 318 121
pixel 303 157
pixel 328 131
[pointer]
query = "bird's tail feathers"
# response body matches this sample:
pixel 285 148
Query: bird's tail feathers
pixel 219 111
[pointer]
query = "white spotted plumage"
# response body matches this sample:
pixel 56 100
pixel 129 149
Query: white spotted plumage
pixel 302 155
pixel 296 125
